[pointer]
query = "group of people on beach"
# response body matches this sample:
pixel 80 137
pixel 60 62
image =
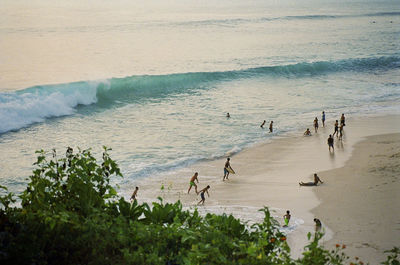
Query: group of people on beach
pixel 201 192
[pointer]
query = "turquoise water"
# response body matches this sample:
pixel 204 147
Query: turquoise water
pixel 162 78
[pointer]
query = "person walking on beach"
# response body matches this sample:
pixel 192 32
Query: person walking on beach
pixel 316 124
pixel 286 218
pixel 262 124
pixel 134 194
pixel 270 126
pixel 318 224
pixel 342 120
pixel 330 143
pixel 203 199
pixel 336 128
pixel 227 166
pixel 323 118
pixel 341 132
pixel 315 183
pixel 307 132
pixel 191 182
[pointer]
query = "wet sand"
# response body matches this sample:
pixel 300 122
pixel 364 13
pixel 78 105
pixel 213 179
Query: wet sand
pixel 268 175
pixel 361 201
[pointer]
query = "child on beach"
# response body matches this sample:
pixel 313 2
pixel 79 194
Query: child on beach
pixel 330 143
pixel 307 132
pixel 316 124
pixel 286 218
pixel 134 194
pixel 203 199
pixel 191 182
pixel 270 127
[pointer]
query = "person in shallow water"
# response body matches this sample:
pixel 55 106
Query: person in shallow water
pixel 316 124
pixel 191 182
pixel 315 183
pixel 330 143
pixel 203 199
pixel 228 115
pixel 262 124
pixel 307 132
pixel 323 119
pixel 270 126
pixel 286 218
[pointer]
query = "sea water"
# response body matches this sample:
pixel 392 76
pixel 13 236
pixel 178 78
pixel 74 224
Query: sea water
pixel 154 80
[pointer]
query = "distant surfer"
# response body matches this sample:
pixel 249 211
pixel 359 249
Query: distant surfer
pixel 227 115
pixel 270 126
pixel 342 120
pixel 318 224
pixel 262 124
pixel 307 132
pixel 336 129
pixel 203 199
pixel 286 218
pixel 316 124
pixel 323 118
pixel 330 143
pixel 315 183
pixel 134 194
pixel 227 169
pixel 191 183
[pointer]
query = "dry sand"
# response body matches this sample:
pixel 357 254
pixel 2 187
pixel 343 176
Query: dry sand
pixel 361 201
pixel 268 175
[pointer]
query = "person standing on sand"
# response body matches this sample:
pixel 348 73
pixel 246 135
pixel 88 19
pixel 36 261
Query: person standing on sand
pixel 286 218
pixel 134 194
pixel 330 143
pixel 203 199
pixel 262 124
pixel 316 124
pixel 315 183
pixel 191 182
pixel 270 127
pixel 336 129
pixel 342 120
pixel 318 224
pixel 227 165
pixel 341 132
pixel 323 118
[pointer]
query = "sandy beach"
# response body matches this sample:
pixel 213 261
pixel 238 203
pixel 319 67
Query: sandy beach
pixel 361 201
pixel 268 175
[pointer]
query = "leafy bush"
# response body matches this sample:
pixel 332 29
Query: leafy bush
pixel 70 214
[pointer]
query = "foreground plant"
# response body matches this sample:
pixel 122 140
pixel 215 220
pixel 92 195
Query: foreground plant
pixel 70 214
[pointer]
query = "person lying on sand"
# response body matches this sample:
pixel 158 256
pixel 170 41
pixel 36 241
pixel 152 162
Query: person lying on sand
pixel 191 182
pixel 286 218
pixel 307 132
pixel 315 183
pixel 203 199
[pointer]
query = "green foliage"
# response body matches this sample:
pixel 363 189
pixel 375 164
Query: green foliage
pixel 70 214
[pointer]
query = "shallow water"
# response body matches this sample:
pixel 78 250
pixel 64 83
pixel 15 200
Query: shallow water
pixel 163 77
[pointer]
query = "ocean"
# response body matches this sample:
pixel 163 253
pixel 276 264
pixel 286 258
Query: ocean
pixel 153 80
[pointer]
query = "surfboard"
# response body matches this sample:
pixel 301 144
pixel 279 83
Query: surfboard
pixel 230 170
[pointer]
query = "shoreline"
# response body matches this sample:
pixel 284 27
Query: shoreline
pixel 268 175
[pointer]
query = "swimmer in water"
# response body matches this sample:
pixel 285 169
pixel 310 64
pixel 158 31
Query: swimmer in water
pixel 286 218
